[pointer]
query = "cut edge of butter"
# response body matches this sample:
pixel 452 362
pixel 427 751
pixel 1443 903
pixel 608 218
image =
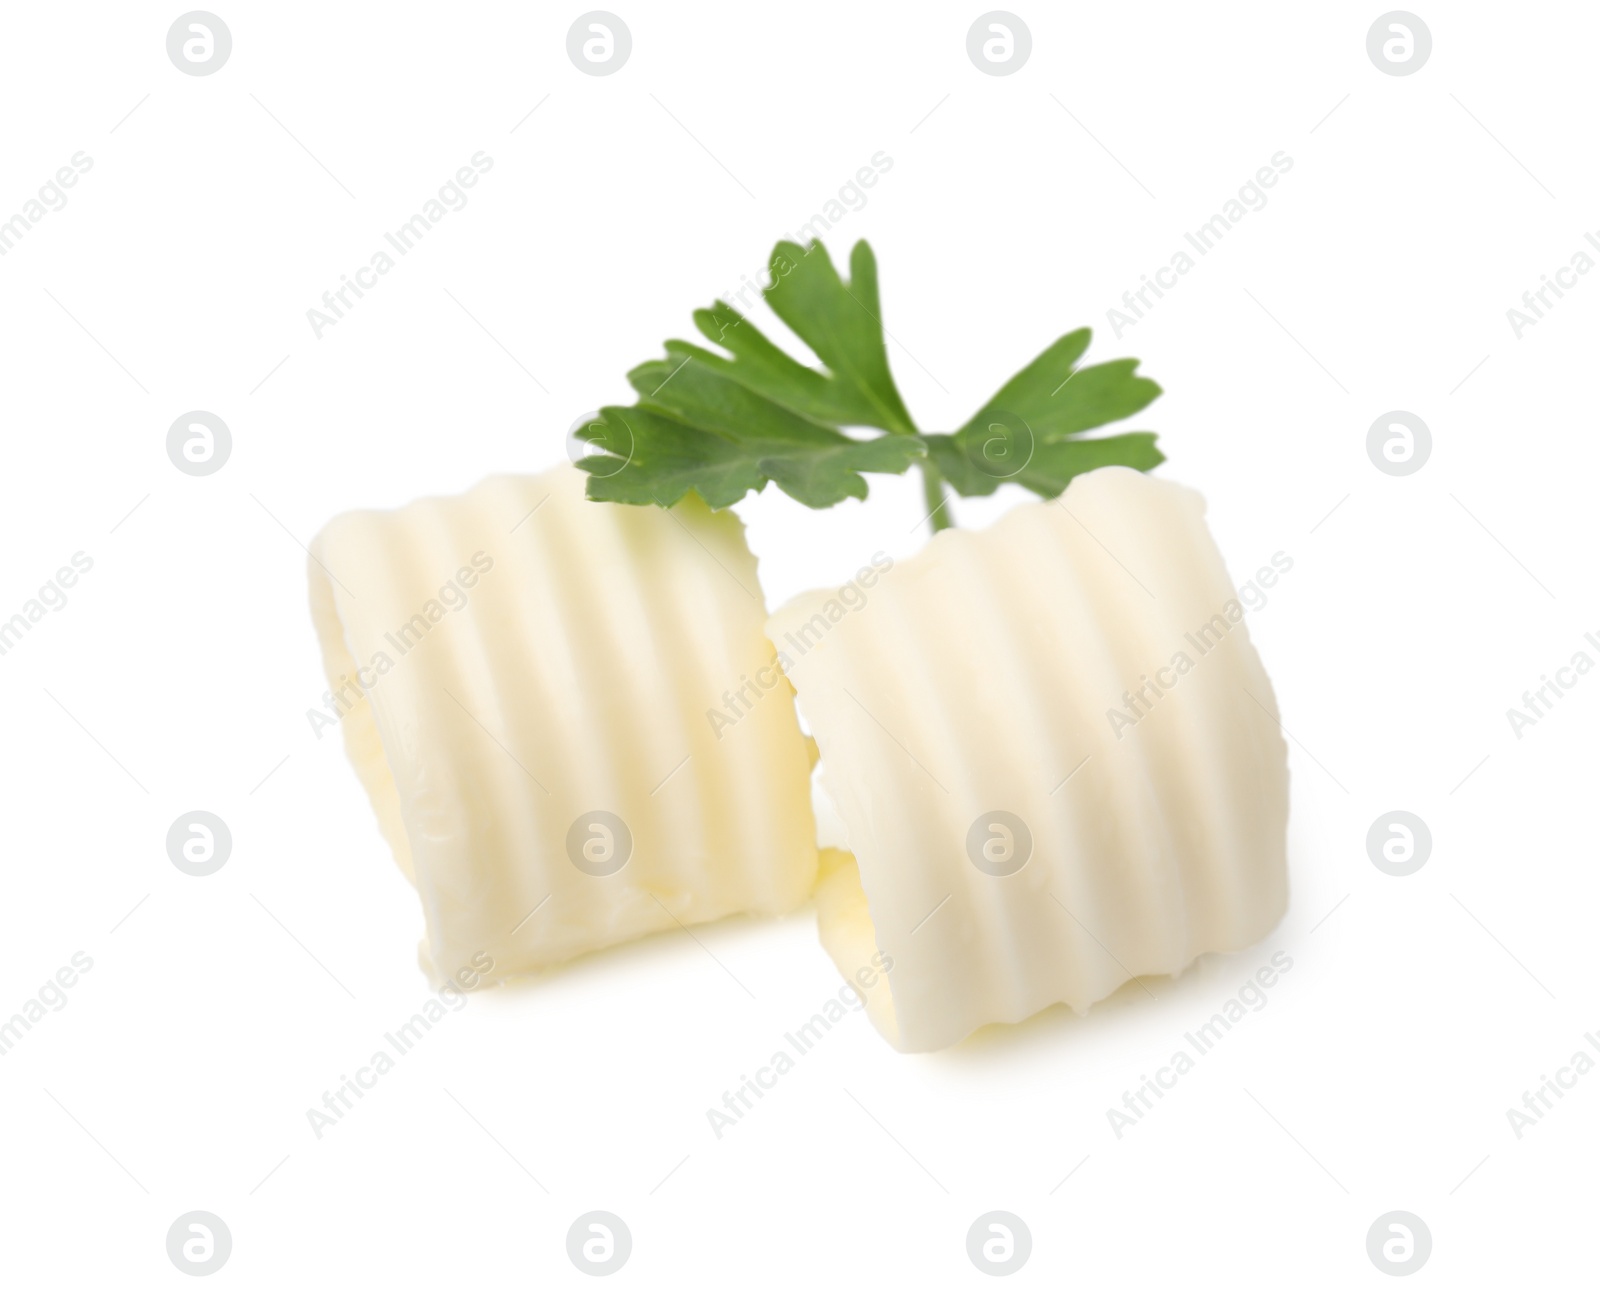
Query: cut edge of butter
pixel 1175 834
pixel 577 675
pixel 844 925
pixel 363 742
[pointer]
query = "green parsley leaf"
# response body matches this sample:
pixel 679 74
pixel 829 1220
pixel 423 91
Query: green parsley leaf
pixel 726 423
pixel 975 465
pixel 734 445
pixel 724 426
pixel 1024 434
pixel 1056 397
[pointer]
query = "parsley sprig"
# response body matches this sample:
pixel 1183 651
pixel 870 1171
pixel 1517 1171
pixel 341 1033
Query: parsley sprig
pixel 725 423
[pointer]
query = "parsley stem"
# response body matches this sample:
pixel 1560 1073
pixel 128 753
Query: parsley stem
pixel 933 495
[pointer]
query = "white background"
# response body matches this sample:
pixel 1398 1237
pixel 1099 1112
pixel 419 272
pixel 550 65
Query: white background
pixel 177 677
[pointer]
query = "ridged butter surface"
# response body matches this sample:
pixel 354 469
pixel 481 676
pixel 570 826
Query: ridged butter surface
pixel 981 676
pixel 516 657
